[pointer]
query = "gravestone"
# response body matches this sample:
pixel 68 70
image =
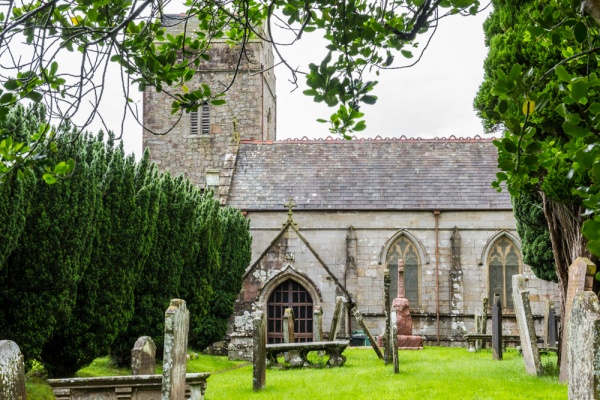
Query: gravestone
pixel 12 372
pixel 546 322
pixel 484 319
pixel 581 275
pixel 405 338
pixel 584 348
pixel 259 353
pixel 531 353
pixel 288 325
pixel 361 321
pixel 318 323
pixel 394 341
pixel 552 334
pixel 143 356
pixel 177 322
pixel 497 328
pixel 387 356
pixel 456 286
pixel 337 313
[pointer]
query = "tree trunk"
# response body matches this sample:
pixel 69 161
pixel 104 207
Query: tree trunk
pixel 568 243
pixel 564 224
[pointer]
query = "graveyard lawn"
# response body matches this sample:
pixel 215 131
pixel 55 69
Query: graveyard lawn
pixel 432 373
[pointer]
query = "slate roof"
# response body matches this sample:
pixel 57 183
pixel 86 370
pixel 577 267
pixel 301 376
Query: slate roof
pixel 403 174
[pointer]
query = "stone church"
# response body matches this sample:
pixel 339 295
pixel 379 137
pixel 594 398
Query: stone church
pixel 329 217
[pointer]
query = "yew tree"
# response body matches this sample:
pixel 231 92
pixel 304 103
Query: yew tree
pixel 541 91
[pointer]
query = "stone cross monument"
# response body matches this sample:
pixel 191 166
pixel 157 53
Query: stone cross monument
pixel 406 340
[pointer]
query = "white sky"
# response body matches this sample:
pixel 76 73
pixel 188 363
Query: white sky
pixel 432 99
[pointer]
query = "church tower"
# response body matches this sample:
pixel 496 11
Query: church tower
pixel 202 145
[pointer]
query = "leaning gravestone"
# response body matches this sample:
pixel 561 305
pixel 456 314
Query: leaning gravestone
pixel 177 322
pixel 337 314
pixel 12 372
pixel 581 275
pixel 143 356
pixel 259 354
pixel 394 341
pixel 531 353
pixel 497 328
pixel 584 348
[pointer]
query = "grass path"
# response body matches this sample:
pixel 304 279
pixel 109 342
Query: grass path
pixel 434 373
pixel 430 374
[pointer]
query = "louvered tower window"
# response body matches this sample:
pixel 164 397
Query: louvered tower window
pixel 200 120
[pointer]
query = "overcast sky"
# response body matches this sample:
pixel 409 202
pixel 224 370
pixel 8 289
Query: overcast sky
pixel 432 99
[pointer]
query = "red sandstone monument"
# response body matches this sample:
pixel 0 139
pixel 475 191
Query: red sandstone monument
pixel 406 340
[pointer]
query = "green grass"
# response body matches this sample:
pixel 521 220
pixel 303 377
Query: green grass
pixel 433 373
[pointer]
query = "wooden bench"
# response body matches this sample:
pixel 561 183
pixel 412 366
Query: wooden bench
pixel 298 352
pixel 471 338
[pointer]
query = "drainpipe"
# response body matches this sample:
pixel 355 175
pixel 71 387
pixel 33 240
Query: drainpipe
pixel 436 215
pixel 262 101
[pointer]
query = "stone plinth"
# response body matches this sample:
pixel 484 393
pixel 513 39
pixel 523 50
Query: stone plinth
pixel 135 387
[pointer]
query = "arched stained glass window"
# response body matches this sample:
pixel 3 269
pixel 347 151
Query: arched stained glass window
pixel 406 250
pixel 504 261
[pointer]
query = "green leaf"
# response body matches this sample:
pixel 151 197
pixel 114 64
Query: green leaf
pixel 594 247
pixel 596 169
pixel 562 74
pixel 11 84
pixel 573 130
pixel 49 178
pixel 509 145
pixel 217 102
pixel 533 147
pixel 580 32
pixel 406 53
pixel 579 89
pixel 503 106
pixel 591 229
pixel 506 165
pixel 369 99
pixel 360 126
pixel 35 96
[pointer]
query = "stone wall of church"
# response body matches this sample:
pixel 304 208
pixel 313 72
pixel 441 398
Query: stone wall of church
pixel 250 103
pixel 326 233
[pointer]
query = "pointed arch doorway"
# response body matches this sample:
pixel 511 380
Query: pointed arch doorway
pixel 290 294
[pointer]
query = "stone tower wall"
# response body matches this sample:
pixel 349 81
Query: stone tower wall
pixel 250 103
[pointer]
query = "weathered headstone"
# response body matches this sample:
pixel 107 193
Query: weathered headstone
pixel 584 348
pixel 387 356
pixel 361 321
pixel 405 338
pixel 337 313
pixel 318 323
pixel 581 274
pixel 259 354
pixel 12 372
pixel 456 285
pixel 497 328
pixel 531 353
pixel 288 325
pixel 394 341
pixel 478 329
pixel 177 322
pixel 546 322
pixel 143 356
pixel 552 334
pixel 292 356
pixel 484 319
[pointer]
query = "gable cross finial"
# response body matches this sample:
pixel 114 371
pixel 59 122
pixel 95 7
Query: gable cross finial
pixel 290 205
